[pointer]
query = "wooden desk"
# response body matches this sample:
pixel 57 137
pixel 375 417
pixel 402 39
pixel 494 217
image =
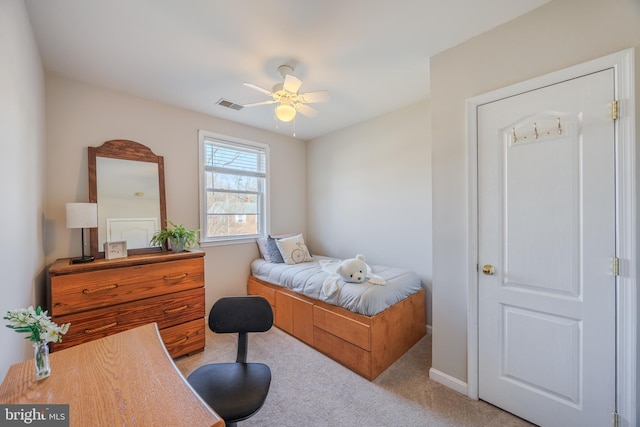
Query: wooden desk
pixel 126 379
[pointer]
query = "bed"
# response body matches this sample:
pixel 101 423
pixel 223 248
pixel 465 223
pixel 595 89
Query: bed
pixel 362 326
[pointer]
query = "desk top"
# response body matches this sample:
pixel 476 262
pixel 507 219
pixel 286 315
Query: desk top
pixel 123 379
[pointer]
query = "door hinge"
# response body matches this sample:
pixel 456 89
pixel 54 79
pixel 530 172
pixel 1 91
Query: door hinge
pixel 614 110
pixel 616 266
pixel 615 419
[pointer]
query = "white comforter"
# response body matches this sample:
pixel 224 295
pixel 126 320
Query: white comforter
pixel 308 278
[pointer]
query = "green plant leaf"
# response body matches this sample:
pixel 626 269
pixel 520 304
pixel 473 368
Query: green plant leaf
pixel 175 231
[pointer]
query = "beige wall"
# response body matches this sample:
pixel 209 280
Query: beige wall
pixel 369 192
pixel 80 115
pixel 22 172
pixel 555 36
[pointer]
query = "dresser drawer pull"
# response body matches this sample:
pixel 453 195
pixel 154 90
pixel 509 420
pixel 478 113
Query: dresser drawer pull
pixel 175 310
pixel 173 344
pixel 101 328
pixel 103 288
pixel 178 277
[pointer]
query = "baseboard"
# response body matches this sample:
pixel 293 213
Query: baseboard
pixel 449 381
pixel 429 329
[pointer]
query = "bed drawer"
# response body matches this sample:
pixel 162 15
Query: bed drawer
pixel 186 338
pixel 256 288
pixel 351 356
pixel 72 293
pixel 342 327
pixel 165 310
pixel 295 316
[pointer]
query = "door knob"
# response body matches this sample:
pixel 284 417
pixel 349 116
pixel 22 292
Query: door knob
pixel 489 270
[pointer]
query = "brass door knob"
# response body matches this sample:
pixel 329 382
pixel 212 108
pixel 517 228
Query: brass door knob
pixel 489 270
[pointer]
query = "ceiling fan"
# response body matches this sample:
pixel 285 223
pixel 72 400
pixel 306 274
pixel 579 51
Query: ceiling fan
pixel 286 95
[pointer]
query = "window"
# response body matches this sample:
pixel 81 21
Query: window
pixel 233 188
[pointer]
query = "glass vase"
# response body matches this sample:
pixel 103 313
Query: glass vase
pixel 41 359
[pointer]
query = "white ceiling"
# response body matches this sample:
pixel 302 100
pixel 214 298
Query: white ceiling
pixel 371 55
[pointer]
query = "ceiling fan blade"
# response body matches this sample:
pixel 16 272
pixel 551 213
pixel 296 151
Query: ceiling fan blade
pixel 306 110
pixel 313 97
pixel 291 83
pixel 260 103
pixel 258 88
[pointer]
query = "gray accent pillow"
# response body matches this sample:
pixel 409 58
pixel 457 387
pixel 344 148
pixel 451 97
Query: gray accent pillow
pixel 262 248
pixel 274 253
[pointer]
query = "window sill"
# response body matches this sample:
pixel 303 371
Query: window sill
pixel 225 242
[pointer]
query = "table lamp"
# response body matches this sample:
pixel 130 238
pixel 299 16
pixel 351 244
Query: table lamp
pixel 82 215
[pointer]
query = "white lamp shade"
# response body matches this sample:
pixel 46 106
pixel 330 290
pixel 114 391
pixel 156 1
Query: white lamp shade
pixel 285 112
pixel 82 215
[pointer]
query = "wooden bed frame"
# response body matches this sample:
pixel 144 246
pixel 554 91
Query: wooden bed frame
pixel 365 344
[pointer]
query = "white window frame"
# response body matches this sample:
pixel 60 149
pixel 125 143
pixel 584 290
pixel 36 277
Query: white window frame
pixel 263 218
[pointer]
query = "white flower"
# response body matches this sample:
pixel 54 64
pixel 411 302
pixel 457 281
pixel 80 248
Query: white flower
pixel 37 323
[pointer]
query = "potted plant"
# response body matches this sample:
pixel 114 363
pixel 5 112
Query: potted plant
pixel 179 237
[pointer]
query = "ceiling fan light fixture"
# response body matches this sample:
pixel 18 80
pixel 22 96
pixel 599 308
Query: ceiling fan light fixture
pixel 287 99
pixel 285 112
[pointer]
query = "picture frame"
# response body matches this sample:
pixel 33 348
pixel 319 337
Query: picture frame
pixel 113 250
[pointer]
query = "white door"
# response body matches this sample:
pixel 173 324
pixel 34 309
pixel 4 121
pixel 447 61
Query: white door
pixel 546 233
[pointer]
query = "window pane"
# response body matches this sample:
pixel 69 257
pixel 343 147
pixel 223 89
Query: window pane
pixel 231 203
pixel 231 225
pixel 224 181
pixel 248 159
pixel 208 179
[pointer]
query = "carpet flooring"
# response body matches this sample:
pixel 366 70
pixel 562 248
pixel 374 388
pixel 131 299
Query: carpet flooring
pixel 310 389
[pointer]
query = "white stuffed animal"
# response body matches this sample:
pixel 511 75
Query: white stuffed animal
pixel 352 270
pixel 355 270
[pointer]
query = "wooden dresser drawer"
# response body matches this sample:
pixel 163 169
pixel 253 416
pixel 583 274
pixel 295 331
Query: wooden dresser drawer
pixel 166 310
pixel 72 293
pixel 186 338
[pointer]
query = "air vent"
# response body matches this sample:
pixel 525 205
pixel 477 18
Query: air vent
pixel 223 102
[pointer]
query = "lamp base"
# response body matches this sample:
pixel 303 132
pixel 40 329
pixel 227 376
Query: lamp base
pixel 82 260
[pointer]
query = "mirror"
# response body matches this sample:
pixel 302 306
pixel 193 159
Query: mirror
pixel 126 180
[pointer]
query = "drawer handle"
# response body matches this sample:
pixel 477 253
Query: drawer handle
pixel 103 288
pixel 173 344
pixel 101 328
pixel 180 276
pixel 175 310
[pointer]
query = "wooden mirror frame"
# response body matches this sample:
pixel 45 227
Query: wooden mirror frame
pixel 124 150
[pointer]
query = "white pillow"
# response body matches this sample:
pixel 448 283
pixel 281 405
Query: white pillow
pixel 294 250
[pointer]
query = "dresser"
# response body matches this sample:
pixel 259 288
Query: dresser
pixel 105 297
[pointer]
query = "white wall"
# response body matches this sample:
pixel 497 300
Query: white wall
pixel 80 115
pixel 369 192
pixel 555 36
pixel 22 171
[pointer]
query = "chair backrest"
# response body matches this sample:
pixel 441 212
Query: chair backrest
pixel 241 315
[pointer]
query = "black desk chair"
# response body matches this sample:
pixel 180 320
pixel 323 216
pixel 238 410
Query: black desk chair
pixel 238 390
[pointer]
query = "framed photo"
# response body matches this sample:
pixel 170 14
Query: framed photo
pixel 113 250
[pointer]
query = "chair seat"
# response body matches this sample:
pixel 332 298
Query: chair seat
pixel 234 390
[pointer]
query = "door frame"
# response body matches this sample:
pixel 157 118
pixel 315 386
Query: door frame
pixel 626 237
